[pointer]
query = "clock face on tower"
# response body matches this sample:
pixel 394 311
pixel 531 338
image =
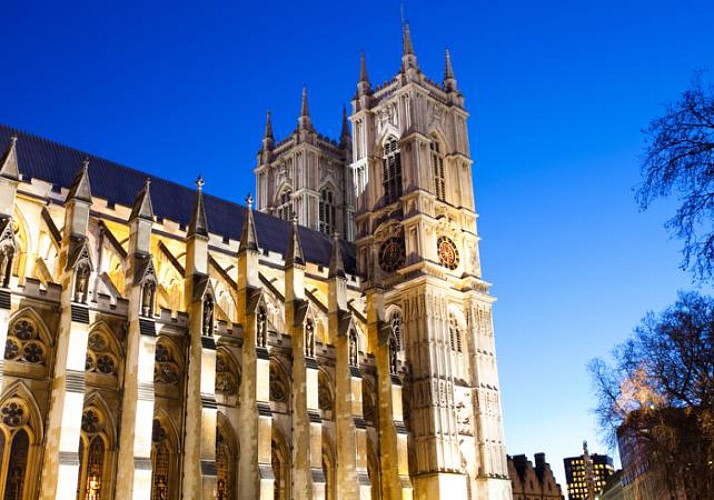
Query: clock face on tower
pixel 392 254
pixel 448 253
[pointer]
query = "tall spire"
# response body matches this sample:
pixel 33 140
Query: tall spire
pixel 143 208
pixel 294 255
pixel 449 78
pixel 9 168
pixel 363 86
pixel 248 236
pixel 304 121
pixel 345 138
pixel 409 59
pixel 80 188
pixel 337 267
pixel 199 222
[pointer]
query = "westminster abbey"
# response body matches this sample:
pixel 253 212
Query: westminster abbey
pixel 334 341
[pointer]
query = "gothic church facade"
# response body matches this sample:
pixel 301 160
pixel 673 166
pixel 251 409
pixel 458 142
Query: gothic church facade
pixel 163 343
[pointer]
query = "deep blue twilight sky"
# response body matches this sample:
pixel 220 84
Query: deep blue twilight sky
pixel 558 93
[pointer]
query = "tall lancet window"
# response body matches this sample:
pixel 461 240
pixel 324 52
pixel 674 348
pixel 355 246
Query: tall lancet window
pixel 437 165
pixel 285 207
pixel 327 211
pixel 392 171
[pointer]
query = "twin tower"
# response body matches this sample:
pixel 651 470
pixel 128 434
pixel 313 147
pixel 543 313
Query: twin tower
pixel 400 187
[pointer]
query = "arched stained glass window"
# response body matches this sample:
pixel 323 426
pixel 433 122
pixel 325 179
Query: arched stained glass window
pixel 17 467
pixel 437 165
pixel 327 212
pixel 392 171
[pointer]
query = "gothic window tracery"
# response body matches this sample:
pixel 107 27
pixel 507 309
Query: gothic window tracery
pixel 285 204
pixel 225 461
pixel 324 393
pixel 20 430
pixel 278 383
pixel 24 343
pixel 101 357
pixel 93 459
pixel 280 460
pixel 391 171
pixel 327 212
pixel 437 165
pixel 162 458
pixel 227 378
pixel 454 334
pixel 166 366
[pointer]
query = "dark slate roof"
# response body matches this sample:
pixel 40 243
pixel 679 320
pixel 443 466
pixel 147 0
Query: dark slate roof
pixel 52 162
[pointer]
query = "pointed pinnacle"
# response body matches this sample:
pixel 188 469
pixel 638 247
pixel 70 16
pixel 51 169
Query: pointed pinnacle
pixel 337 267
pixel 345 132
pixel 268 126
pixel 448 70
pixel 248 236
pixel 407 40
pixel 143 208
pixel 304 110
pixel 199 221
pixel 363 77
pixel 294 255
pixel 9 168
pixel 80 188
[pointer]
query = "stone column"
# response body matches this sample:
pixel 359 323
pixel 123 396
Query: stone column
pixel 393 460
pixel 350 427
pixel 60 467
pixel 134 462
pixel 255 472
pixel 199 456
pixel 308 479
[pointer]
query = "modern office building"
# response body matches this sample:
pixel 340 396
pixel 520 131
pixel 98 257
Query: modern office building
pixel 587 474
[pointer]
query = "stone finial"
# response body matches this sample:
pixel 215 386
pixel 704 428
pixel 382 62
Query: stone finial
pixel 304 122
pixel 337 267
pixel 248 236
pixel 80 190
pixel 9 168
pixel 449 78
pixel 143 208
pixel 409 59
pixel 268 126
pixel 363 86
pixel 199 221
pixel 345 137
pixel 294 254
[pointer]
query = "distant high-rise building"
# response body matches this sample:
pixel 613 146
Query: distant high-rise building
pixel 587 474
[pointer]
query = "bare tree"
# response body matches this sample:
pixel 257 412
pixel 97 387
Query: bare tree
pixel 679 162
pixel 659 393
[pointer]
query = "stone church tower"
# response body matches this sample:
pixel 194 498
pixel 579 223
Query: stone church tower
pixel 306 174
pixel 417 247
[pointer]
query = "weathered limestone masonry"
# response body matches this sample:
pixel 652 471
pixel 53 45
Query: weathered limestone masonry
pixel 163 343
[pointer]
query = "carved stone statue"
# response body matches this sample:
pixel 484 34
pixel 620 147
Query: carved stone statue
pixel 353 349
pixel 208 317
pixel 81 286
pixel 93 487
pixel 309 339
